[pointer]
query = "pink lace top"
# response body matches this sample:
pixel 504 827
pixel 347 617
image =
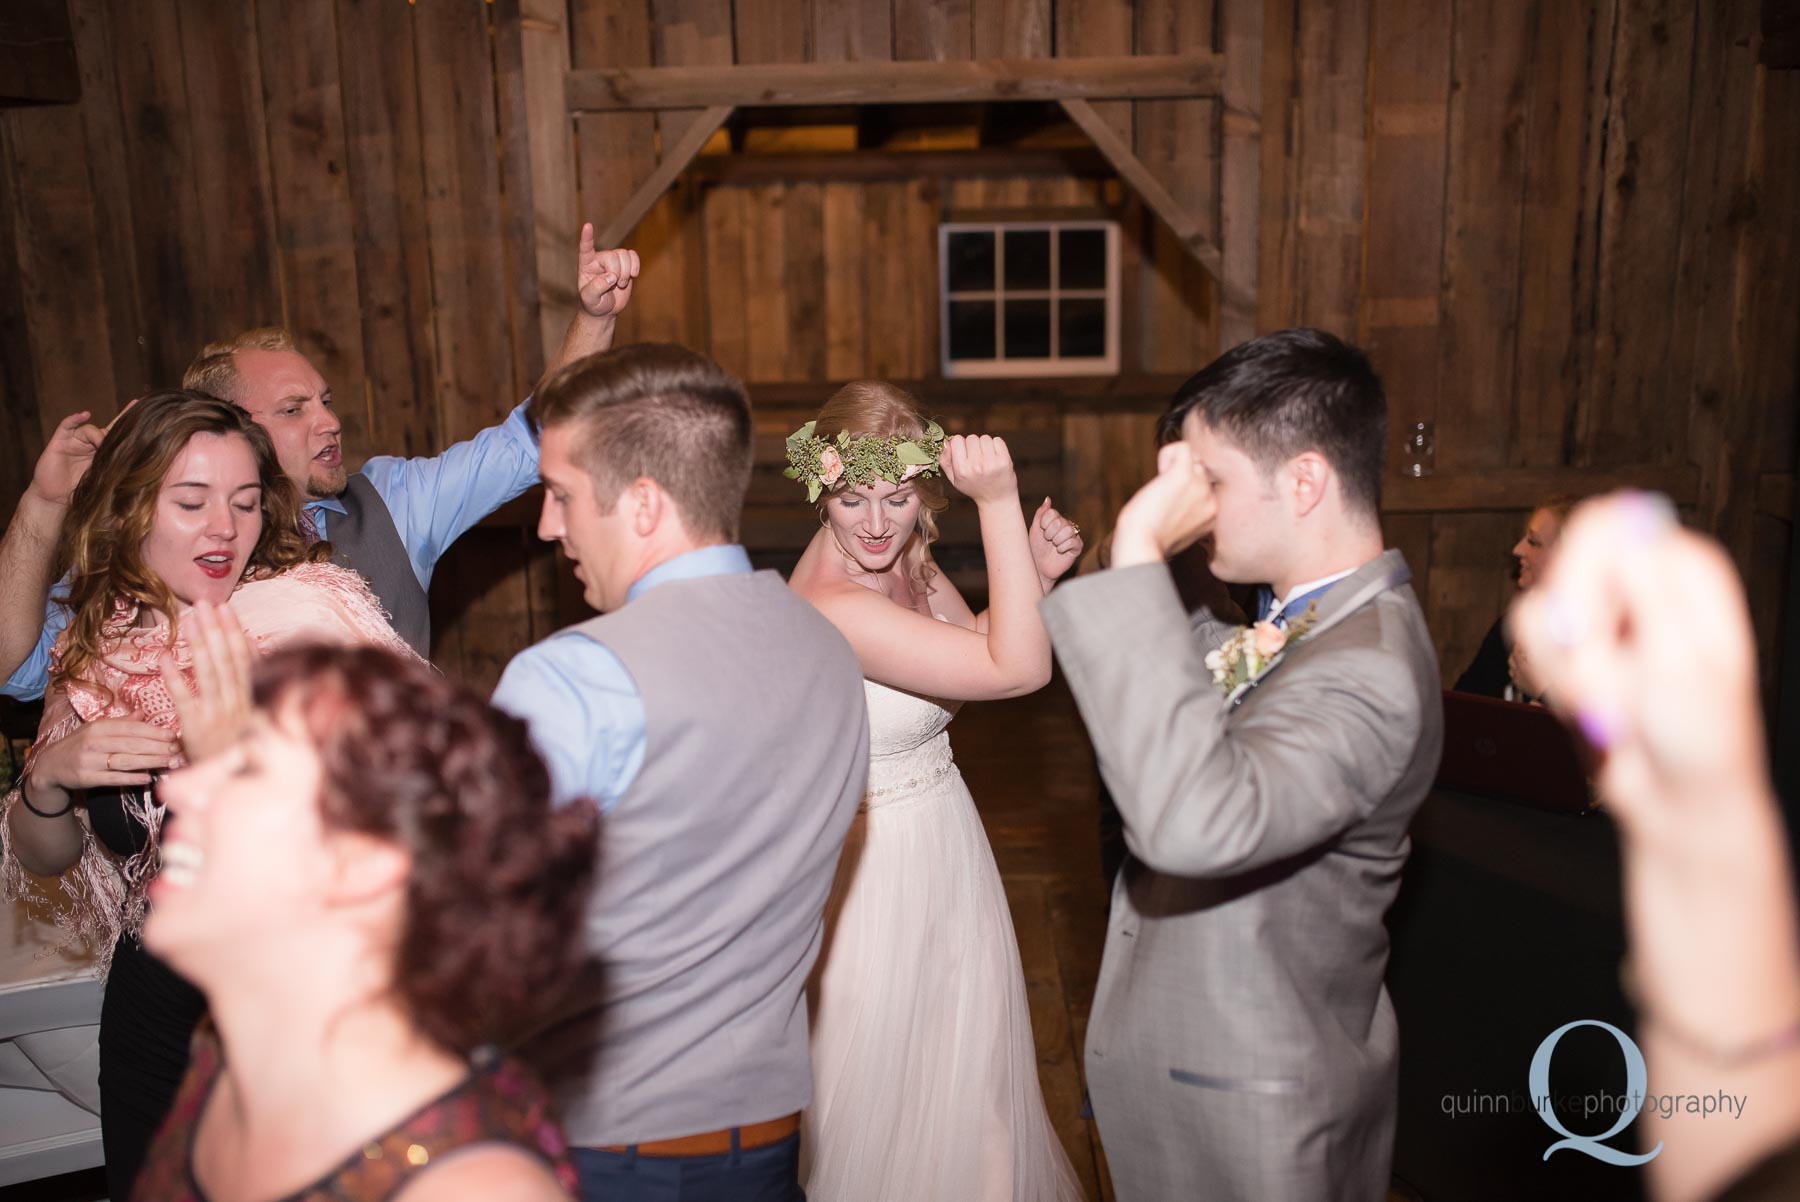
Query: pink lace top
pixel 103 894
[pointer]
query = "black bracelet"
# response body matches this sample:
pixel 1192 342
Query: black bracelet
pixel 25 797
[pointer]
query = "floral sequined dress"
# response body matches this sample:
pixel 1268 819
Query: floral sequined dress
pixel 925 1076
pixel 498 1103
pixel 148 1017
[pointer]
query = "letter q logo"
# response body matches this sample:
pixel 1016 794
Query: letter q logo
pixel 1636 1078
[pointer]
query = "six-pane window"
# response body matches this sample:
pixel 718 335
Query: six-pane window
pixel 1029 298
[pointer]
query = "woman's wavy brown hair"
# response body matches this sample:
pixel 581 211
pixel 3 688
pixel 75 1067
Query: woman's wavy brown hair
pixel 875 407
pixel 499 875
pixel 114 508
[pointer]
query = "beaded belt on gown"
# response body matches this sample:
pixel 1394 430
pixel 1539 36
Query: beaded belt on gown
pixel 901 774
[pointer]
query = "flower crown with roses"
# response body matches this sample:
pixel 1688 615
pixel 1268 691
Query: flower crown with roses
pixel 821 463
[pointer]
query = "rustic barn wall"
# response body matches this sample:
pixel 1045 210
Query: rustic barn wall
pixel 330 167
pixel 1565 228
pixel 1567 232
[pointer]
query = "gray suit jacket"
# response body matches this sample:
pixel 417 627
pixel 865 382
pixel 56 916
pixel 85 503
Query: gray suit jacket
pixel 1242 1045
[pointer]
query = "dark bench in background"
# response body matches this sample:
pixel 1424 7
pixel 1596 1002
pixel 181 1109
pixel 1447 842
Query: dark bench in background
pixel 1508 925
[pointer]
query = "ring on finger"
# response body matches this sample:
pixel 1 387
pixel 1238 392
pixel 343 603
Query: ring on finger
pixel 109 763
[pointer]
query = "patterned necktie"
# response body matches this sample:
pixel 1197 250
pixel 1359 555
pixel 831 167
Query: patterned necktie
pixel 1265 602
pixel 309 525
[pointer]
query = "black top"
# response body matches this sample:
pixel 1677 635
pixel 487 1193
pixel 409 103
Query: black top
pixel 113 824
pixel 1489 673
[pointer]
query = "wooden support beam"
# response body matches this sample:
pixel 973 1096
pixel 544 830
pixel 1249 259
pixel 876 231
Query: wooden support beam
pixel 1524 488
pixel 1142 181
pixel 550 132
pixel 953 399
pixel 674 162
pixel 1124 77
pixel 1240 168
pixel 37 54
pixel 877 166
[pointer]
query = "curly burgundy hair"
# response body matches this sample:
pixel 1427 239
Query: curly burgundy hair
pixel 499 877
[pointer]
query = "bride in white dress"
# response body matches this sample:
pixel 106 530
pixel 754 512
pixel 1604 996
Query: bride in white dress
pixel 925 1085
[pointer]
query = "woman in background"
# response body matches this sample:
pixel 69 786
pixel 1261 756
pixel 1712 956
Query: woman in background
pixel 368 882
pixel 1497 669
pixel 184 504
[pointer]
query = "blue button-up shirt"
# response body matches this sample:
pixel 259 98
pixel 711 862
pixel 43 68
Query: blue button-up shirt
pixel 584 710
pixel 1296 602
pixel 433 501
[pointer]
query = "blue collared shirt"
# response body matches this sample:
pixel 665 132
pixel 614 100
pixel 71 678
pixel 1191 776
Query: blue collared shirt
pixel 1297 600
pixel 584 710
pixel 433 501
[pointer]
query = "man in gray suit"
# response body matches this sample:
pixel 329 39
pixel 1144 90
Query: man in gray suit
pixel 1242 1045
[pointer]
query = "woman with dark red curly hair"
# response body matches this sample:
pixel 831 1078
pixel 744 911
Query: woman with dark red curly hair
pixel 368 882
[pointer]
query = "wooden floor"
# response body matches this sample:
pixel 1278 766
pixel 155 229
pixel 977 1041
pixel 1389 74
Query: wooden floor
pixel 1031 769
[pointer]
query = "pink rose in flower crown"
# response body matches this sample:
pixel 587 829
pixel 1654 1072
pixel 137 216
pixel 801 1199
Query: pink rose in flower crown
pixel 912 471
pixel 831 466
pixel 1270 639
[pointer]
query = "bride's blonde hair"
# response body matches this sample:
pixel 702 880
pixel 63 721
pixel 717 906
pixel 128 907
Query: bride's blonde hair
pixel 875 407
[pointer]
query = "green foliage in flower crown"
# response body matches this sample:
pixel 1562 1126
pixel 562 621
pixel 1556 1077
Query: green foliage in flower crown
pixel 860 460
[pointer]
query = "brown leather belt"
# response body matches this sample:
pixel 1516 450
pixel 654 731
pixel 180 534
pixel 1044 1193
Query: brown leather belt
pixel 717 1143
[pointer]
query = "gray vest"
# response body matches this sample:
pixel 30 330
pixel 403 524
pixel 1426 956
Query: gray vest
pixel 708 908
pixel 364 537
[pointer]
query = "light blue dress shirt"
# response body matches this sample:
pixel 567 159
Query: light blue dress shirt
pixel 433 501
pixel 583 708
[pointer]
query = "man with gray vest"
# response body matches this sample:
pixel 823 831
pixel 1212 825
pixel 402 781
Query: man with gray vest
pixel 719 722
pixel 395 517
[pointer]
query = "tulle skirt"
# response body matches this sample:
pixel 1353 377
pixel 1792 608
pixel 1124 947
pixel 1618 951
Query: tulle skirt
pixel 925 1083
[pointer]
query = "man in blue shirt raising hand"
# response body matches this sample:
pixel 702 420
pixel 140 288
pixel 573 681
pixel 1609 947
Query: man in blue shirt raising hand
pixel 394 518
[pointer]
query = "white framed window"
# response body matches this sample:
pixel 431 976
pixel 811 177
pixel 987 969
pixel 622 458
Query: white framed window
pixel 1029 298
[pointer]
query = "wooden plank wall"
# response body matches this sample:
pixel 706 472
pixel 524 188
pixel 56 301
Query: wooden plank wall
pixel 1566 231
pixel 1565 228
pixel 328 166
pixel 810 281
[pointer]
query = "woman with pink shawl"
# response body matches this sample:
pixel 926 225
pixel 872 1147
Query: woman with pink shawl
pixel 185 504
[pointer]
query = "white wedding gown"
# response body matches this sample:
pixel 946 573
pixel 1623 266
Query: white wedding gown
pixel 925 1082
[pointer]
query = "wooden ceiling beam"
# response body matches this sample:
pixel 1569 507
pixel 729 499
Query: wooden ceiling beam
pixel 673 164
pixel 37 54
pixel 1502 490
pixel 869 166
pixel 1125 77
pixel 1524 488
pixel 955 398
pixel 1143 181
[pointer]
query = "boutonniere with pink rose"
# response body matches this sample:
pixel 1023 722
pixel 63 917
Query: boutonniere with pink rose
pixel 1253 650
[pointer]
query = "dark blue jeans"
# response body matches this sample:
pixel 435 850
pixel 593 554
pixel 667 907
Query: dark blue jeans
pixel 770 1174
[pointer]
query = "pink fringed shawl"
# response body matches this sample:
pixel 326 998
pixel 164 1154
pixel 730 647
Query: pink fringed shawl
pixel 102 894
